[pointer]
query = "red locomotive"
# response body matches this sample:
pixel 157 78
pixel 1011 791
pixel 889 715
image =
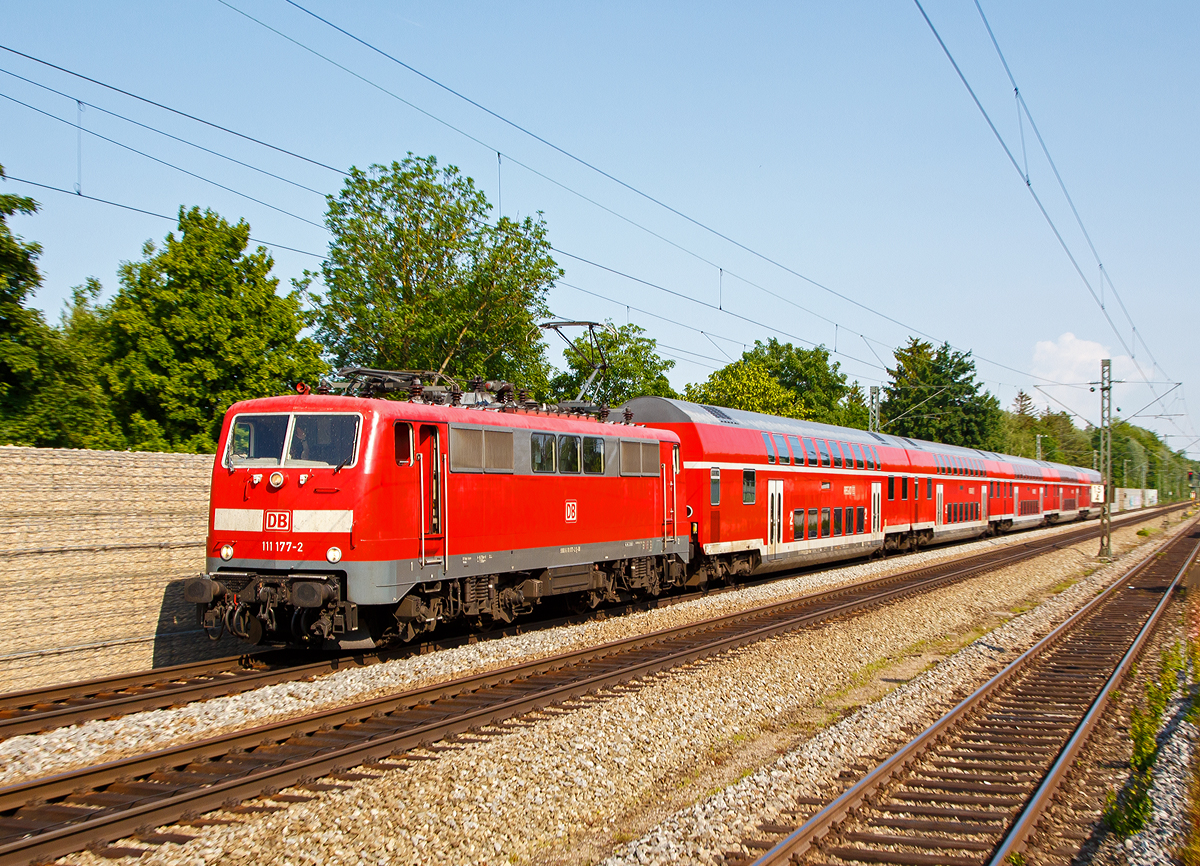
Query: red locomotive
pixel 359 521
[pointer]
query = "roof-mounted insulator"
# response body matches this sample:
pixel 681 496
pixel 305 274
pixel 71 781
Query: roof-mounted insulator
pixel 604 410
pixel 455 395
pixel 628 415
pixel 416 391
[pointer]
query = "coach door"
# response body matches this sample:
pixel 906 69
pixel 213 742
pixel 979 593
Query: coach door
pixel 431 462
pixel 941 509
pixel 774 516
pixel 669 474
pixel 983 502
pixel 876 503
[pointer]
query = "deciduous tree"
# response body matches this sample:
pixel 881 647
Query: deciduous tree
pixel 820 383
pixel 750 386
pixel 418 278
pixel 195 327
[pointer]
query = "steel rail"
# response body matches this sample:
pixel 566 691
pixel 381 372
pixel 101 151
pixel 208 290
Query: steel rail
pixel 824 821
pixel 350 735
pixel 1015 840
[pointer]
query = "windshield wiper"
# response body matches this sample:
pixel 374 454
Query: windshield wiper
pixel 340 465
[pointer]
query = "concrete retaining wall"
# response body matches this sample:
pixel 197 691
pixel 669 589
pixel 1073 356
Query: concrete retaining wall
pixel 94 548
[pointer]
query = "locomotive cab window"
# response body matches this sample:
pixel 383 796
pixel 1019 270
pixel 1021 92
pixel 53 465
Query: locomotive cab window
pixel 323 439
pixel 748 484
pixel 568 454
pixel 256 440
pixel 593 455
pixel 541 452
pixel 403 434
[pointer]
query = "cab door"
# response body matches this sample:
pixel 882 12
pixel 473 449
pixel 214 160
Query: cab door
pixel 432 469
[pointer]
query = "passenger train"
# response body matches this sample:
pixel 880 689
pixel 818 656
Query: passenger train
pixel 355 521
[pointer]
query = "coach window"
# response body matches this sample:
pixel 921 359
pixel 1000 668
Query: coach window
pixel 837 521
pixel 929 488
pixel 714 486
pixel 875 455
pixel 858 456
pixel 891 487
pixel 770 448
pixel 813 531
pixel 403 443
pixel 824 522
pixel 904 488
pixel 593 455
pixel 782 448
pixel 849 520
pixel 798 454
pixel 568 454
pixel 798 524
pixel 823 448
pixel 860 520
pixel 541 452
pixel 870 456
pixel 748 482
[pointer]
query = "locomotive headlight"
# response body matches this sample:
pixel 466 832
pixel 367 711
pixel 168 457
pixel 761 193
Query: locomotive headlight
pixel 227 552
pixel 334 554
pixel 276 479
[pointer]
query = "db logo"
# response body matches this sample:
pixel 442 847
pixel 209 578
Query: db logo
pixel 572 511
pixel 279 521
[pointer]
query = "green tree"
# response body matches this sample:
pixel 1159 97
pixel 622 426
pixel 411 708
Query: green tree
pixel 747 385
pixel 933 395
pixel 195 327
pixel 819 383
pixel 418 278
pixel 634 367
pixel 24 335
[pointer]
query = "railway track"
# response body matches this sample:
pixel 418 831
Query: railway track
pixel 46 818
pixel 971 789
pixel 38 710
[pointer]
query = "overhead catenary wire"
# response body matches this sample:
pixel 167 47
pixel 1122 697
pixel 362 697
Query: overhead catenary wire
pixel 164 133
pixel 175 111
pixel 128 207
pixel 170 165
pixel 1029 186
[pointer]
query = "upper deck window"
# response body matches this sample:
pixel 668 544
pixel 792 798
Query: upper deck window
pixel 797 450
pixel 824 449
pixel 770 448
pixel 319 439
pixel 782 448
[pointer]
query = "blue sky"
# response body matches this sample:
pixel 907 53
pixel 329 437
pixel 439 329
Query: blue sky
pixel 835 140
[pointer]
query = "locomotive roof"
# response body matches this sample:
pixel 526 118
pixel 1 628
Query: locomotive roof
pixel 665 410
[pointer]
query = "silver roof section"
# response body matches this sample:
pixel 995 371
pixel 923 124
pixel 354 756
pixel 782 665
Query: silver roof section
pixel 664 410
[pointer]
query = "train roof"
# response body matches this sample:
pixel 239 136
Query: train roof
pixel 665 410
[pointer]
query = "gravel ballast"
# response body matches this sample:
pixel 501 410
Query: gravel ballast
pixel 559 786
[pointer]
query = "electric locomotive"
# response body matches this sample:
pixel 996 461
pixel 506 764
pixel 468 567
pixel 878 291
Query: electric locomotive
pixel 354 521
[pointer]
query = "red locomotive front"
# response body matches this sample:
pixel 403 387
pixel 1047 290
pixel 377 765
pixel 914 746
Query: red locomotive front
pixel 361 521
